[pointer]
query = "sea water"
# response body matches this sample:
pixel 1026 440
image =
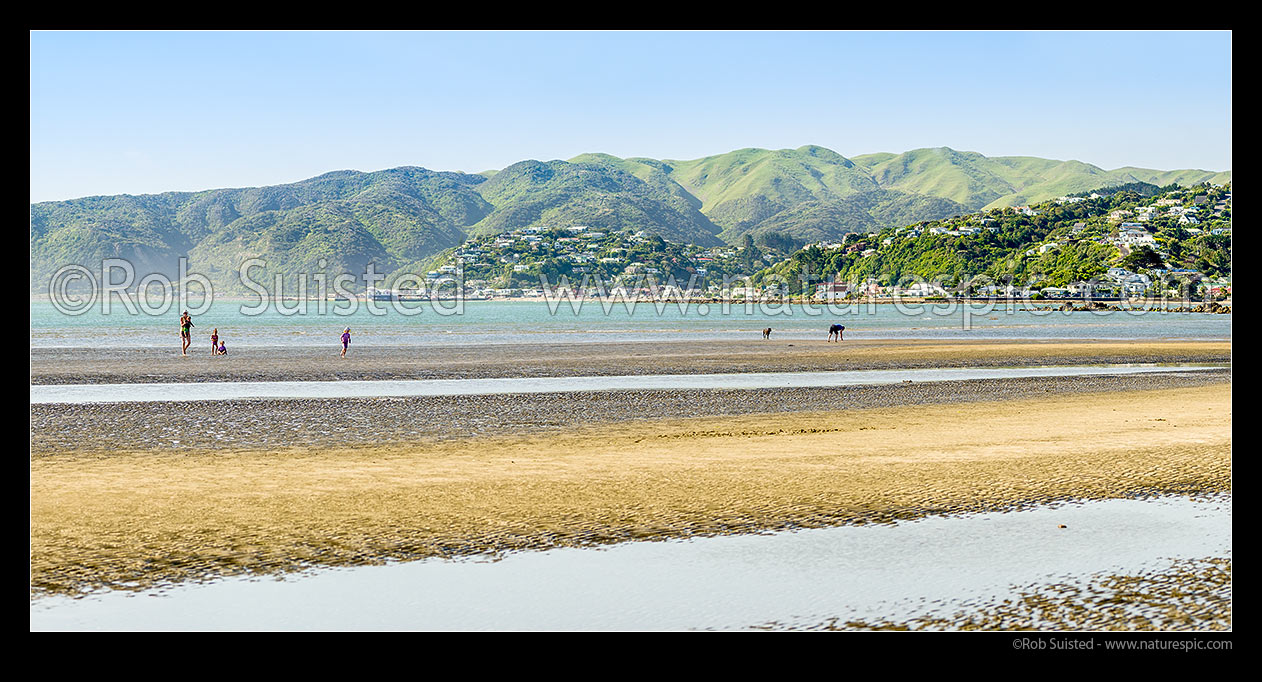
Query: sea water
pixel 236 390
pixel 536 322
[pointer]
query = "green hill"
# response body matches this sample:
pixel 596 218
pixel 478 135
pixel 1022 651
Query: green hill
pixel 963 177
pixel 598 192
pixel 815 221
pixel 393 218
pixel 1184 178
pixel 979 182
pixel 740 189
pixel 402 218
pixel 1053 244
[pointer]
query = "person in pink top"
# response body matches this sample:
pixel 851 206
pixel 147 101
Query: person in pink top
pixel 346 340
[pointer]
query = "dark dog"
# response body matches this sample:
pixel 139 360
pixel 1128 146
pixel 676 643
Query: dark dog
pixel 766 333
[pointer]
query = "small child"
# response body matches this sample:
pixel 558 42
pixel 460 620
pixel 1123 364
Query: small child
pixel 214 341
pixel 223 350
pixel 346 340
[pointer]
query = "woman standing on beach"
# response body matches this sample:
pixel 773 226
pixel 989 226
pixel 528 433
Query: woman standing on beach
pixel 186 332
pixel 214 341
pixel 346 340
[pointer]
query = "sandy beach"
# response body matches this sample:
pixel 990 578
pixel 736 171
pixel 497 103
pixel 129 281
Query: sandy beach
pixel 112 365
pixel 142 495
pixel 225 425
pixel 148 516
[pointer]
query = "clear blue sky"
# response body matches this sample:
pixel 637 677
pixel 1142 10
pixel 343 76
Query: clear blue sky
pixel 146 112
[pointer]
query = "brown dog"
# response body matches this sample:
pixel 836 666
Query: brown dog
pixel 766 333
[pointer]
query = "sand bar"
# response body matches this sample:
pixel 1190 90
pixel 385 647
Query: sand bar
pixel 108 365
pixel 341 422
pixel 140 518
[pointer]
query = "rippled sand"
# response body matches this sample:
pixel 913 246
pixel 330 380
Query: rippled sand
pixel 146 516
pixel 338 422
pixel 1190 594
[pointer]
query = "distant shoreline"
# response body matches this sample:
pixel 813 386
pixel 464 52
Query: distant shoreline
pixel 1033 304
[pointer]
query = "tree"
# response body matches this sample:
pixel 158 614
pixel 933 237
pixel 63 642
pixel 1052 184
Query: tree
pixel 1142 258
pixel 749 253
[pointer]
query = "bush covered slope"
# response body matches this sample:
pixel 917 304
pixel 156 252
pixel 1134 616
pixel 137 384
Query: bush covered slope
pixel 401 218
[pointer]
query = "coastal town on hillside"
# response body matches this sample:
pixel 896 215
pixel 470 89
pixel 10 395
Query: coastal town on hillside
pixel 1110 244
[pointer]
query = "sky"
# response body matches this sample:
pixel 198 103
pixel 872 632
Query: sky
pixel 149 112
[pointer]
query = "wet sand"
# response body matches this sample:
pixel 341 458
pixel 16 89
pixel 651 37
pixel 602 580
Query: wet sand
pixel 107 365
pixel 338 422
pixel 1190 594
pixel 125 517
pixel 801 578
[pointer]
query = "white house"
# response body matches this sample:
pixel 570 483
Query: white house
pixel 923 289
pixel 831 291
pixel 1135 237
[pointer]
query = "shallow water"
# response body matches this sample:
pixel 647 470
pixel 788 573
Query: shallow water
pixel 863 572
pixel 231 390
pixel 497 322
